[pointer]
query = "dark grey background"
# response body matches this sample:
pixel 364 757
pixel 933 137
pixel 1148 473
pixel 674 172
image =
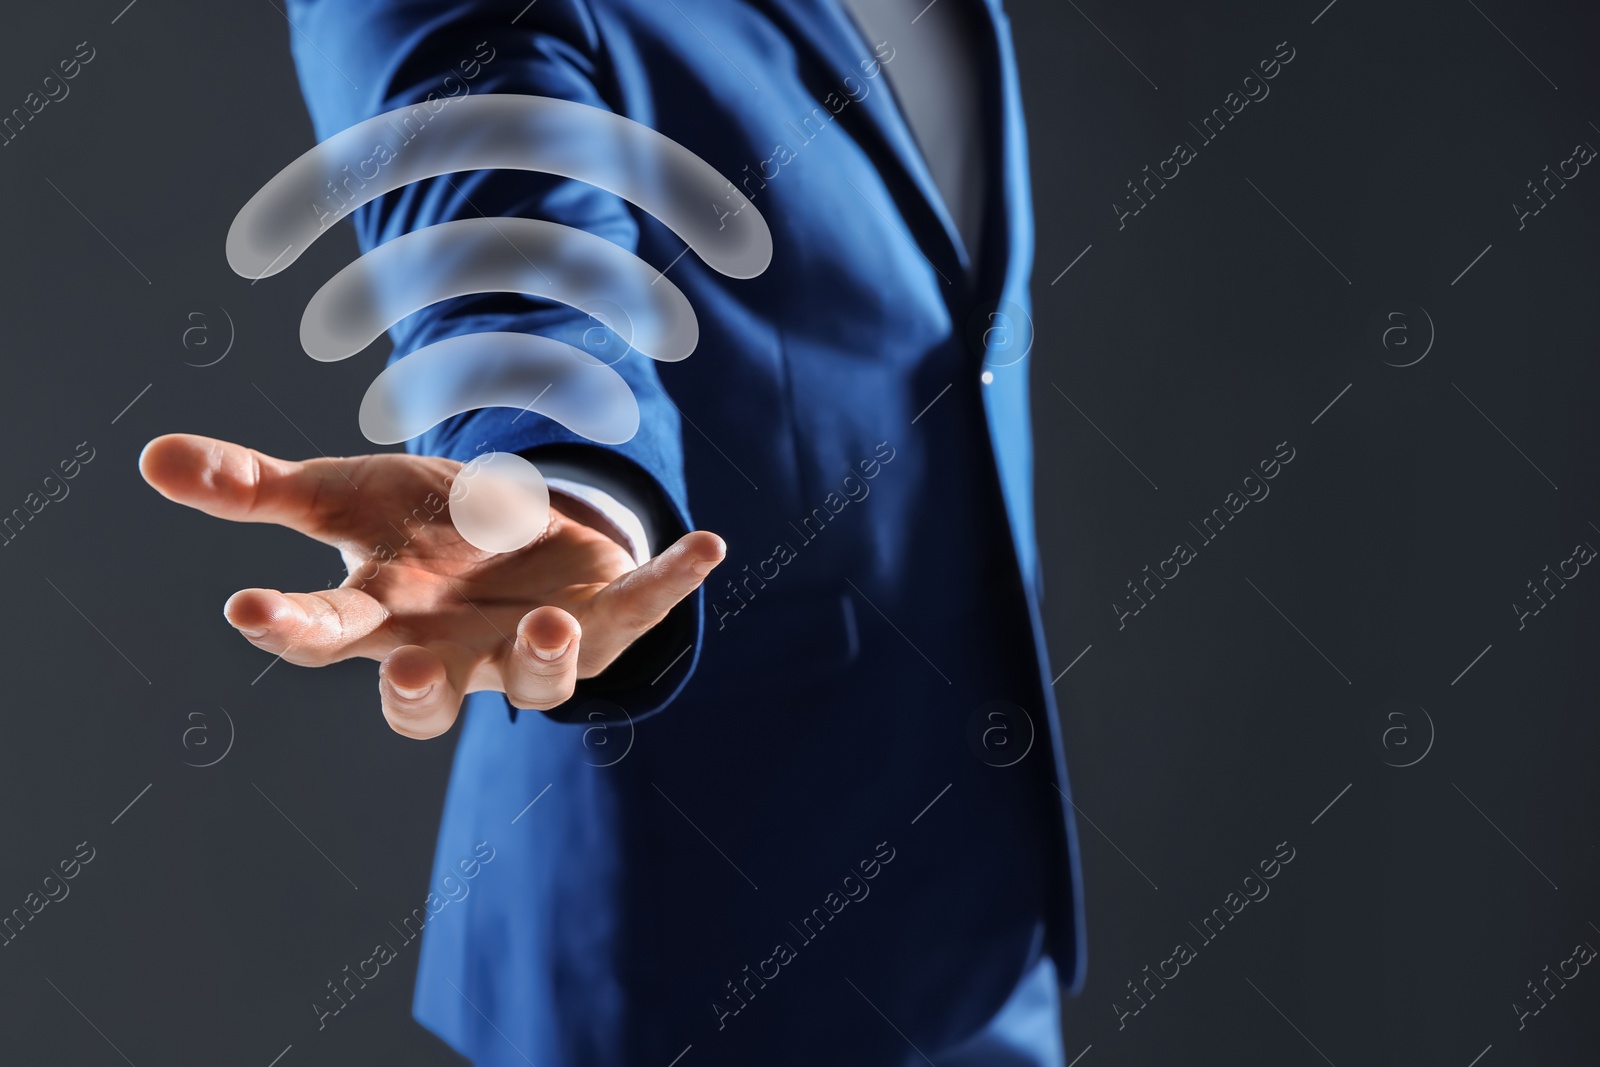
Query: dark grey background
pixel 1253 691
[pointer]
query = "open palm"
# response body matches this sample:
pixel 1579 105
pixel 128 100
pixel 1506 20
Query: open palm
pixel 443 618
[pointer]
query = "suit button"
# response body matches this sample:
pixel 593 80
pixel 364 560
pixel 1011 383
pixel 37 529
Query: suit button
pixel 987 377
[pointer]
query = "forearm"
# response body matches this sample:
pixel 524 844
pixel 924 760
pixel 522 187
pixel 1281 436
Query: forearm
pixel 372 57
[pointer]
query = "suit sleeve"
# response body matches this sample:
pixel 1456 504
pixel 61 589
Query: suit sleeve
pixel 359 58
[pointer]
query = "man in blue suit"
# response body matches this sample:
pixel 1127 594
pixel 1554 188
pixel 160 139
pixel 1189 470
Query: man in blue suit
pixel 811 808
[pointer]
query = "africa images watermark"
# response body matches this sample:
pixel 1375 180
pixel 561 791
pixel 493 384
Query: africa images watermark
pixel 1255 489
pixel 1582 555
pixel 854 887
pixel 340 196
pixel 52 89
pixel 1582 154
pixel 783 154
pixel 55 490
pixel 1255 890
pixel 53 889
pixel 1255 90
pixel 783 553
pixel 1582 955
pixel 455 890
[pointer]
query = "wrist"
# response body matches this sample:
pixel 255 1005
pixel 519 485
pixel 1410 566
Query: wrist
pixel 599 511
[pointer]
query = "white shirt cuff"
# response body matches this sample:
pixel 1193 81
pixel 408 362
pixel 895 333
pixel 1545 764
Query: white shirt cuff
pixel 633 537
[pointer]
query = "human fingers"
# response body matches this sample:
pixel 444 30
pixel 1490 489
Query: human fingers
pixel 541 666
pixel 638 600
pixel 421 688
pixel 233 482
pixel 309 629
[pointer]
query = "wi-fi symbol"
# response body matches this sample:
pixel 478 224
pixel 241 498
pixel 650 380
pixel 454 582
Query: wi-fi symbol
pixel 507 506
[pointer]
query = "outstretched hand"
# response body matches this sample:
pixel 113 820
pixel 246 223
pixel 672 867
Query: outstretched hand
pixel 443 618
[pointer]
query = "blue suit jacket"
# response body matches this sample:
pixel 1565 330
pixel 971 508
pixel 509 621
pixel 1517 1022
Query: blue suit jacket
pixel 830 789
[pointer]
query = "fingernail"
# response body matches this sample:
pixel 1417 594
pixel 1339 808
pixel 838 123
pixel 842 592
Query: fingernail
pixel 411 694
pixel 251 633
pixel 551 654
pixel 703 567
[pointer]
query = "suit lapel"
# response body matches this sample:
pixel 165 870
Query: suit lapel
pixel 831 35
pixel 1011 249
pixel 1001 140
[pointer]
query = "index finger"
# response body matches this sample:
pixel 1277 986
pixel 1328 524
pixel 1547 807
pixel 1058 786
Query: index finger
pixel 237 483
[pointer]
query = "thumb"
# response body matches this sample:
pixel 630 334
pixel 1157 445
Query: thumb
pixel 621 612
